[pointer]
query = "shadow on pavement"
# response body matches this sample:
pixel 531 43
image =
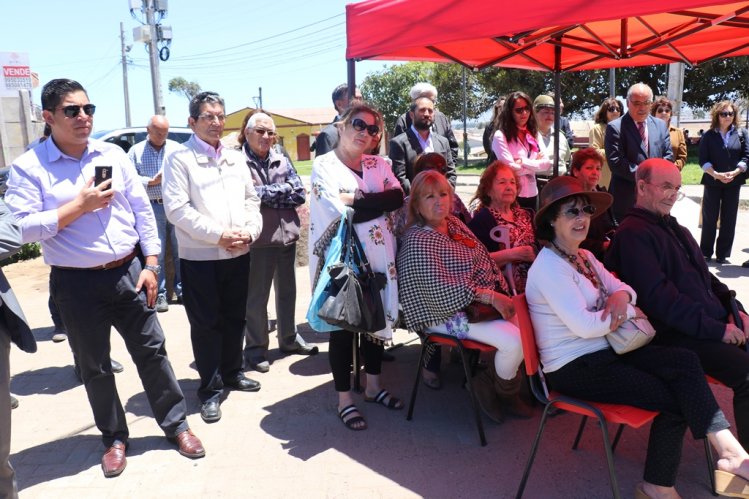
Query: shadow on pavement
pixel 43 463
pixel 47 380
pixel 44 333
pixel 139 406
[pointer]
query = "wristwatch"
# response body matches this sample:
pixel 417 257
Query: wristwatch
pixel 156 269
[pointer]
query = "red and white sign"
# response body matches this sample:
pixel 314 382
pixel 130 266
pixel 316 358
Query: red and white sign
pixel 16 73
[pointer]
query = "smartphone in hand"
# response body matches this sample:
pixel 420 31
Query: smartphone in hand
pixel 101 174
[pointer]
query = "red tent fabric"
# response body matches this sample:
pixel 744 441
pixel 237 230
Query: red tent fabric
pixel 593 34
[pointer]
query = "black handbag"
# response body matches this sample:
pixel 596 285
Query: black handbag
pixel 354 302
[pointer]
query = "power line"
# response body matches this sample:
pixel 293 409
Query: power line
pixel 270 37
pixel 214 55
pixel 259 59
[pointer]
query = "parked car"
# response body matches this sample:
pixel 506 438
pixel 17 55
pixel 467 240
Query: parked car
pixel 123 137
pixel 127 137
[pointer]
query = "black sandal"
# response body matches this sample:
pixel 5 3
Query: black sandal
pixel 353 420
pixel 392 402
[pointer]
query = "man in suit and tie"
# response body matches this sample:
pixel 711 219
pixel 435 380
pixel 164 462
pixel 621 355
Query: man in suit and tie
pixel 418 139
pixel 13 327
pixel 629 141
pixel 440 122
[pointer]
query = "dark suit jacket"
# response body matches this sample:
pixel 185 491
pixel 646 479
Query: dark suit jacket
pixel 722 158
pixel 440 126
pixel 12 320
pixel 403 151
pixel 327 139
pixel 564 126
pixel 624 153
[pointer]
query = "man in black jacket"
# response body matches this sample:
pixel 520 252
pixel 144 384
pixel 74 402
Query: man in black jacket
pixel 629 141
pixel 440 123
pixel 419 138
pixel 13 328
pixel 328 137
pixel 689 307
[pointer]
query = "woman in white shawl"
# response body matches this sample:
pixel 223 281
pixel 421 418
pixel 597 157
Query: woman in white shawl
pixel 347 178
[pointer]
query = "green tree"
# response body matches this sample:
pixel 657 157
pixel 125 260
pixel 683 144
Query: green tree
pixel 448 78
pixel 179 85
pixel 581 91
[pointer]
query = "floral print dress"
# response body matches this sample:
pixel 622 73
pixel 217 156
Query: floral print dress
pixel 330 177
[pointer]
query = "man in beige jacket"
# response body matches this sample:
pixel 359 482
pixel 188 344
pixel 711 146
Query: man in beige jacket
pixel 210 198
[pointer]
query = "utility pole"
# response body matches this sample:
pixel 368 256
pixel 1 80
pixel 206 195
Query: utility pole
pixel 675 89
pixel 153 56
pixel 258 99
pixel 125 50
pixel 157 39
pixel 466 147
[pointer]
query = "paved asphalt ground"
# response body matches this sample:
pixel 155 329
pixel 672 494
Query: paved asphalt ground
pixel 286 440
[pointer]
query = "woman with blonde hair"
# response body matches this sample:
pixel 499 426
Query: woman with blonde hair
pixel 442 269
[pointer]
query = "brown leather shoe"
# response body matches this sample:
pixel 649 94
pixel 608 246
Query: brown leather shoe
pixel 189 445
pixel 113 461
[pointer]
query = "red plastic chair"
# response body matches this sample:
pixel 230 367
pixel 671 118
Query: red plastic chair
pixel 604 413
pixel 469 354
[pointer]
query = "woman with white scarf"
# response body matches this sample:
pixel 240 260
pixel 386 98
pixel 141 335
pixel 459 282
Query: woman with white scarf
pixel 347 178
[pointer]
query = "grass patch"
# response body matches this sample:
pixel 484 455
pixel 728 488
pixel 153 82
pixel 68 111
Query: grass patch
pixel 303 167
pixel 690 175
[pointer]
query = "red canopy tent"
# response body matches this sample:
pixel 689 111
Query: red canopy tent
pixel 549 35
pixel 592 34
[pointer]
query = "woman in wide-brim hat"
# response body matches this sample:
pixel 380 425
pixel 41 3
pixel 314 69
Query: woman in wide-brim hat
pixel 574 303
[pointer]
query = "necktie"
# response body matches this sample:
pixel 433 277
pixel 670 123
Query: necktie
pixel 643 135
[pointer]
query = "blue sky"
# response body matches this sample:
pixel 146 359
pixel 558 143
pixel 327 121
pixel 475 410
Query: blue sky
pixel 293 49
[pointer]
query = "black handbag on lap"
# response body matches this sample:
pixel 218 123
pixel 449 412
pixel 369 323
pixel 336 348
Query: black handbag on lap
pixel 354 302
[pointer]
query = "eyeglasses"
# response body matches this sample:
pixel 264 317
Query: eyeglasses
pixel 726 114
pixel 614 110
pixel 669 191
pixel 662 110
pixel 637 103
pixel 574 212
pixel 263 131
pixel 360 125
pixel 73 111
pixel 522 110
pixel 212 117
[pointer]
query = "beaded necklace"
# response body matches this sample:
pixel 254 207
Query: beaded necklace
pixel 574 260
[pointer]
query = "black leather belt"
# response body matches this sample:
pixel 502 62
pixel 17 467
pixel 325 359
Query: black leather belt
pixel 111 265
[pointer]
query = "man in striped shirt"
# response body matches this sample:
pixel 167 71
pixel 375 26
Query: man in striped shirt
pixel 148 158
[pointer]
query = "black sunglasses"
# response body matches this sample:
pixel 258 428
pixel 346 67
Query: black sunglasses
pixel 726 114
pixel 574 212
pixel 73 111
pixel 360 125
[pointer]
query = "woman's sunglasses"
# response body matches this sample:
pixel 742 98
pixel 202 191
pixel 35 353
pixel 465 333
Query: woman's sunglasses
pixel 73 111
pixel 360 125
pixel 726 114
pixel 575 212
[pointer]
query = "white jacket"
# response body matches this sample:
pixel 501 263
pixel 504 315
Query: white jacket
pixel 205 196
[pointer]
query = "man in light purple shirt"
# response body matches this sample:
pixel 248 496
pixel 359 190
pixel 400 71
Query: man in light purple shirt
pixel 91 235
